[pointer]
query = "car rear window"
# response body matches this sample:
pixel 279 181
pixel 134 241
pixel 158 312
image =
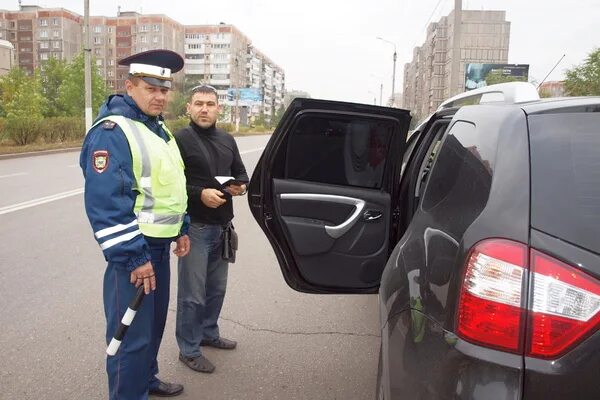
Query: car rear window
pixel 565 176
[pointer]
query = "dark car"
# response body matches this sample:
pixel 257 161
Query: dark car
pixel 481 233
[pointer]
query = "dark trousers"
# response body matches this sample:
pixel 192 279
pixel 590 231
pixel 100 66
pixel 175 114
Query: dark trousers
pixel 132 371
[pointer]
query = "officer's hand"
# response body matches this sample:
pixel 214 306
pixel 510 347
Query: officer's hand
pixel 236 190
pixel 182 247
pixel 144 275
pixel 212 198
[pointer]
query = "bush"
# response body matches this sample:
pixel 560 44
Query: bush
pixel 3 134
pixel 176 124
pixel 23 131
pixel 226 126
pixel 62 129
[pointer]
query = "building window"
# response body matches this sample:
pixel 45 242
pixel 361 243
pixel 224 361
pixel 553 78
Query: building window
pixel 155 39
pixel 99 63
pixel 56 45
pixel 43 56
pixel 97 40
pixel 109 41
pixel 156 28
pixel 144 28
pixel 44 45
pixel 97 29
pixel 12 24
pixel 55 21
pixel 111 62
pixel 111 73
pixel 97 52
pixel 143 39
pixel 56 34
pixel 43 22
pixel 44 33
pixel 109 29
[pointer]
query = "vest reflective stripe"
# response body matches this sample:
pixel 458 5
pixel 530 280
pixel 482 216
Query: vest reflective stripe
pixel 159 179
pixel 145 179
pixel 151 218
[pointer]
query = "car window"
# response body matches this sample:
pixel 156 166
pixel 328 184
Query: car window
pixel 565 176
pixel 459 182
pixel 343 150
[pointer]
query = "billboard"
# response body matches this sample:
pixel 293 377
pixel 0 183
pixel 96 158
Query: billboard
pixel 479 75
pixel 247 96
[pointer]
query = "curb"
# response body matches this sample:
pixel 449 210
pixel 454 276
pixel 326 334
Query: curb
pixel 38 153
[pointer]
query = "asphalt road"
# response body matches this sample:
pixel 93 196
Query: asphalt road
pixel 290 345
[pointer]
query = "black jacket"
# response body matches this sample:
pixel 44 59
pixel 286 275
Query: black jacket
pixel 224 160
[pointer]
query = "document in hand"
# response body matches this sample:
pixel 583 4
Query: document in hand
pixel 229 180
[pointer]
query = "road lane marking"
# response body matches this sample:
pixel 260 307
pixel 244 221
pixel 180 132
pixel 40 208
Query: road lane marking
pixel 63 195
pixel 252 150
pixel 41 200
pixel 15 174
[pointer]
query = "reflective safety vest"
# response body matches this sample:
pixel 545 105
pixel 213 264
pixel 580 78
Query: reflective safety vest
pixel 159 178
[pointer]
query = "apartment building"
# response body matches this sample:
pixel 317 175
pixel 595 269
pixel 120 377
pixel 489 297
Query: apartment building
pixel 220 55
pixel 114 38
pixel 7 56
pixel 224 57
pixel 40 33
pixel 437 69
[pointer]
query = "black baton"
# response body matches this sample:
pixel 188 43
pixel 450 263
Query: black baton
pixel 114 344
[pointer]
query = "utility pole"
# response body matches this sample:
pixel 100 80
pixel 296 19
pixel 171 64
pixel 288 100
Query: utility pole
pixel 394 68
pixel 457 84
pixel 87 54
pixel 237 95
pixel 380 93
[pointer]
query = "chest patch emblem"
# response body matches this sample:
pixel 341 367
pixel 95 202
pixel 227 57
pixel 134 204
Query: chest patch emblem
pixel 100 160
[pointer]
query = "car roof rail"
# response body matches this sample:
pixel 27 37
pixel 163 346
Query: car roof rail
pixel 501 93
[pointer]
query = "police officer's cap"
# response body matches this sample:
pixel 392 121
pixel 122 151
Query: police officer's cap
pixel 154 66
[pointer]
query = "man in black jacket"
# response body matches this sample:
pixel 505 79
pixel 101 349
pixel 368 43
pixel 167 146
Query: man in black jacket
pixel 207 152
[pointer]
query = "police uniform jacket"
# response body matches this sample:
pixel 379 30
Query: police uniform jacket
pixel 107 166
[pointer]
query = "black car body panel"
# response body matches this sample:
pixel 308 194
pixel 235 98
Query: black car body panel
pixel 425 271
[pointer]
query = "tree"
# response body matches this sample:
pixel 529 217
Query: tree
pixel 53 73
pixel 21 95
pixel 584 80
pixel 177 105
pixel 22 105
pixel 71 94
pixel 277 116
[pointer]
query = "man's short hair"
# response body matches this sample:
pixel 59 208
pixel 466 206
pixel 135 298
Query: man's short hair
pixel 206 89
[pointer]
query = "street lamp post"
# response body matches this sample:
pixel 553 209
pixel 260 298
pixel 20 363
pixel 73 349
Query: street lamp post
pixel 380 88
pixel 394 71
pixel 374 98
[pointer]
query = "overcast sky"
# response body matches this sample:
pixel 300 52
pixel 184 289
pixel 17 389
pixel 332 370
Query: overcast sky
pixel 329 47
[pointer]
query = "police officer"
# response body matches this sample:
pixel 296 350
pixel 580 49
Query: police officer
pixel 135 199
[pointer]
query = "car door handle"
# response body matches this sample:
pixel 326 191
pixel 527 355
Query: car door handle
pixel 335 231
pixel 372 215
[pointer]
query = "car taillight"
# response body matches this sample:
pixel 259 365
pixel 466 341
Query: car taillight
pixel 565 309
pixel 490 306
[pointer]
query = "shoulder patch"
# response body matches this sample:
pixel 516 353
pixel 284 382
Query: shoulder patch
pixel 109 125
pixel 100 160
